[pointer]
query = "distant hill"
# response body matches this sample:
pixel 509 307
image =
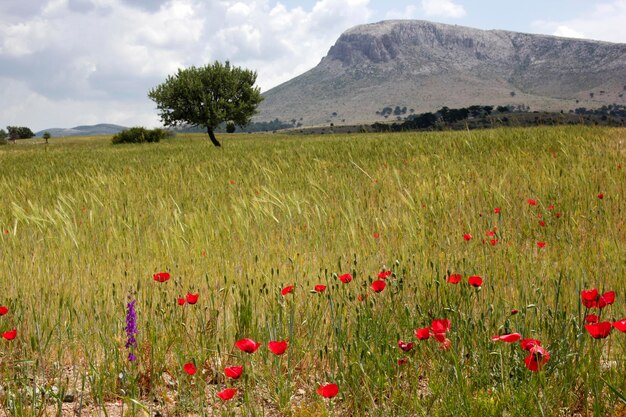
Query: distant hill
pixel 419 66
pixel 99 129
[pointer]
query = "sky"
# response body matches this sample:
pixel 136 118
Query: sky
pixel 65 63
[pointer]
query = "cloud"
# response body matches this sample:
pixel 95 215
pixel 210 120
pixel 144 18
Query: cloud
pixel 604 22
pixel 443 8
pixel 409 12
pixel 76 61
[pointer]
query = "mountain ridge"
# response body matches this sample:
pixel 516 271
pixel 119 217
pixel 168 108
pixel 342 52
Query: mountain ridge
pixel 84 130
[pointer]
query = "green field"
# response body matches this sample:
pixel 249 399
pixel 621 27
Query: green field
pixel 85 224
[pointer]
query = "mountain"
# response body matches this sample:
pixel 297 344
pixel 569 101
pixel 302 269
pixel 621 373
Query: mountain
pixel 424 66
pixel 99 129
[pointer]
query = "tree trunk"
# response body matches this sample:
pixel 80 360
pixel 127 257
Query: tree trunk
pixel 212 137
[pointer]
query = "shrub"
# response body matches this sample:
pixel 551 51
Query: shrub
pixel 141 135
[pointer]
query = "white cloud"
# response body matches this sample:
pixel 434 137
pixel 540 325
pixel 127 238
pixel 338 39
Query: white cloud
pixel 409 12
pixel 567 32
pixel 442 8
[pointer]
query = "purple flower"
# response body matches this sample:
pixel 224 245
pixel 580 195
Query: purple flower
pixel 131 328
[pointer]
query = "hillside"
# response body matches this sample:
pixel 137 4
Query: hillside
pixel 424 66
pixel 99 129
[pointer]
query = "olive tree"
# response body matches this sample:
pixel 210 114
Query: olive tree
pixel 208 96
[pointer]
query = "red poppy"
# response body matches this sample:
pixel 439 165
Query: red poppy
pixel 402 361
pixel 606 299
pixel 384 274
pixel 490 233
pixel 475 281
pixel 592 318
pixel 542 223
pixel 10 335
pixel 467 236
pixel 532 202
pixel 507 338
pixel 320 288
pixel 278 348
pixel 541 244
pixel 161 276
pixel 599 330
pixel 181 301
pixel 537 358
pixel 192 298
pixel 190 368
pixel 620 325
pixel 378 285
pixel 376 235
pixel 454 278
pixel 328 391
pixel 593 299
pixel 422 333
pixel 227 394
pixel 287 290
pixel 551 207
pixel 496 210
pixel 600 196
pixel 514 311
pixel 405 346
pixel 3 310
pixel 445 344
pixel 247 345
pixel 345 278
pixel 234 372
pixel 493 242
pixel 440 326
pixel 558 215
pixel 528 344
pixel 360 297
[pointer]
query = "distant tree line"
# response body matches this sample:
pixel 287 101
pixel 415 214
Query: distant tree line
pixel 615 110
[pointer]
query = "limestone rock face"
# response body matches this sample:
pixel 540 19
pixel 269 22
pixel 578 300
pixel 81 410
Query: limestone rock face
pixel 424 66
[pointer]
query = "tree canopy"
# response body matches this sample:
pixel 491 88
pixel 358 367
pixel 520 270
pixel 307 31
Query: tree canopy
pixel 208 96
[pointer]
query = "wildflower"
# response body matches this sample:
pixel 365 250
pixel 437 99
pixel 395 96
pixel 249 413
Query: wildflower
pixel 378 285
pixel 445 344
pixel 320 288
pixel 3 310
pixel 467 237
pixel 376 235
pixel 131 328
pixel 592 318
pixel 161 276
pixel 278 348
pixel 593 299
pixel 514 311
pixel 227 394
pixel 233 372
pixel 620 325
pixel 507 338
pixel 454 278
pixel 440 326
pixel 496 210
pixel 287 290
pixel 407 347
pixel 490 233
pixel 192 298
pixel 345 278
pixel 599 330
pixel 551 207
pixel 541 244
pixel 537 358
pixel 600 196
pixel 528 344
pixel 360 297
pixel 10 335
pixel 402 361
pixel 181 301
pixel 542 223
pixel 189 368
pixel 247 345
pixel 558 215
pixel 384 274
pixel 475 281
pixel 532 202
pixel 328 391
pixel 422 333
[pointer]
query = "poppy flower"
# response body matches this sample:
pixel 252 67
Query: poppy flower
pixel 384 274
pixel 378 285
pixel 278 348
pixel 328 390
pixel 407 347
pixel 593 299
pixel 532 202
pixel 181 301
pixel 600 196
pixel 606 299
pixel 537 358
pixel 551 207
pixel 541 244
pixel 190 368
pixel 507 338
pixel 493 242
pixel 514 311
pixel 475 281
pixel 558 215
pixel 490 233
pixel 592 318
pixel 402 361
pixel 3 310
pixel 345 278
pixel 10 335
pixel 542 223
pixel 467 236
pixel 440 326
pixel 161 276
pixel 496 210
pixel 360 297
pixel 422 333
pixel 528 344
pixel 192 298
pixel 445 344
pixel 287 290
pixel 376 235
pixel 599 330
pixel 320 288
pixel 233 372
pixel 247 345
pixel 227 394
pixel 454 278
pixel 620 325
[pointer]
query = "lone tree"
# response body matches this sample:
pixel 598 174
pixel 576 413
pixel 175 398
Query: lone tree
pixel 208 96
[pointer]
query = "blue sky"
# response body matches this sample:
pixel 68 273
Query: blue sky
pixel 70 62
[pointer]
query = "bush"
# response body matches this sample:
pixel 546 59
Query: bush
pixel 141 135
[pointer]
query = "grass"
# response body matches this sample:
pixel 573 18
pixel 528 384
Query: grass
pixel 84 223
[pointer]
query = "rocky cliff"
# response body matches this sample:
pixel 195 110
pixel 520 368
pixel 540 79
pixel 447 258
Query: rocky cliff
pixel 424 66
